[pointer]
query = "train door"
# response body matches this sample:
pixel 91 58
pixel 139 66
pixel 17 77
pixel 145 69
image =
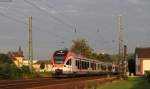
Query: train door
pixel 78 65
pixel 69 66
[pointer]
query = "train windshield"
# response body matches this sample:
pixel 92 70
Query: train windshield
pixel 60 56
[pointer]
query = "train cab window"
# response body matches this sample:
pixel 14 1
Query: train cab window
pixel 68 62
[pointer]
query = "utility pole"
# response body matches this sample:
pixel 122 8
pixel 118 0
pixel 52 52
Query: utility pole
pixel 75 29
pixel 120 46
pixel 125 62
pixel 30 61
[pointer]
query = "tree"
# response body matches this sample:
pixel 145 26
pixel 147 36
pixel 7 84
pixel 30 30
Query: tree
pixel 131 66
pixel 7 68
pixel 81 46
pixel 5 59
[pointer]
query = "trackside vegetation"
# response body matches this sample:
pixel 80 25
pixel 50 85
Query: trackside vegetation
pixel 8 70
pixel 147 76
pixel 82 47
pixel 131 83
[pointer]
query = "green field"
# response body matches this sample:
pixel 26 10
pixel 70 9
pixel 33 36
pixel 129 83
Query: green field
pixel 131 83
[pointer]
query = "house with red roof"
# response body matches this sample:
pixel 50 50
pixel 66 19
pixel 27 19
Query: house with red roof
pixel 142 60
pixel 17 57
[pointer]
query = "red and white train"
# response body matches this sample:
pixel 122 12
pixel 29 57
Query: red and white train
pixel 66 63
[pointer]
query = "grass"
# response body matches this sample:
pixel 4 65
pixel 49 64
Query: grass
pixel 131 83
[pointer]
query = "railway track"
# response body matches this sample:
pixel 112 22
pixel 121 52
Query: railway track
pixel 50 83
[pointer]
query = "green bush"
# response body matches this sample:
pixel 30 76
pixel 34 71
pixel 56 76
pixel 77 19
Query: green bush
pixel 25 71
pixel 5 59
pixel 10 71
pixel 147 75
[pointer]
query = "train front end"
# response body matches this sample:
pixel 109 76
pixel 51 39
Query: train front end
pixel 61 61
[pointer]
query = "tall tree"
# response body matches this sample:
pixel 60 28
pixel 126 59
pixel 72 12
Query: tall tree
pixel 5 59
pixel 81 46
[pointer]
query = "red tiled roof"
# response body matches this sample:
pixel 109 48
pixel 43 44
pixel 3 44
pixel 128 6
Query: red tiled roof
pixel 143 52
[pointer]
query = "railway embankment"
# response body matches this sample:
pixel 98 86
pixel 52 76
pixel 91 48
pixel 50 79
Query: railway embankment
pixel 131 83
pixel 52 83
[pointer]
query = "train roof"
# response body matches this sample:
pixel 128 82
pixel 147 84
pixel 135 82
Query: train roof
pixel 79 56
pixel 85 58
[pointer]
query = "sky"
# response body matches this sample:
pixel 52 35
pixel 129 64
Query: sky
pixel 55 21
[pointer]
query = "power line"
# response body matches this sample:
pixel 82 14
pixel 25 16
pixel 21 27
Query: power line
pixel 19 21
pixel 38 20
pixel 52 6
pixel 56 18
pixel 52 16
pixel 43 10
pixel 2 14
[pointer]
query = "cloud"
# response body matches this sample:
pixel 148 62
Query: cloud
pixel 6 38
pixel 134 1
pixel 53 11
pixel 49 11
pixel 1 7
pixel 71 11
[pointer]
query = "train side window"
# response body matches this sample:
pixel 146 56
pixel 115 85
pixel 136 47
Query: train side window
pixel 68 62
pixel 94 66
pixel 103 67
pixel 87 65
pixel 98 66
pixel 83 64
pixel 110 67
pixel 78 64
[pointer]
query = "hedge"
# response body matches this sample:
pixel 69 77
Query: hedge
pixel 147 75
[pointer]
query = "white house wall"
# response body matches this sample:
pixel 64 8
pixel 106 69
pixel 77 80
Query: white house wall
pixel 146 65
